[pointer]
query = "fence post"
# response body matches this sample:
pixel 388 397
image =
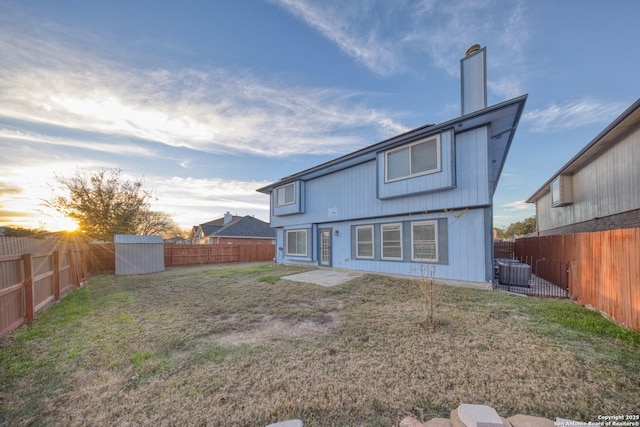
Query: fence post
pixel 28 287
pixel 85 268
pixel 73 275
pixel 56 275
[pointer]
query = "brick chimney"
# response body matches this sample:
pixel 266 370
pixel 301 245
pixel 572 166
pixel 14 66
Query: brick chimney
pixel 473 73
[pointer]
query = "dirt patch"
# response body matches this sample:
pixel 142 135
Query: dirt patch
pixel 272 329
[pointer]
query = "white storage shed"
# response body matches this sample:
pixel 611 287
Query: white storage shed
pixel 138 254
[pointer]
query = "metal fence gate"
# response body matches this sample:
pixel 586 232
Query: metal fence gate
pixel 533 277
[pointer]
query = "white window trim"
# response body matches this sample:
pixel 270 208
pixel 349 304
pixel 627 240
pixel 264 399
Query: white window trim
pixel 362 227
pixel 306 240
pixel 382 227
pixel 404 147
pixel 293 184
pixel 435 232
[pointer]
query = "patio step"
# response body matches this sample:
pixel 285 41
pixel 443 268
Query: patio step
pixel 468 415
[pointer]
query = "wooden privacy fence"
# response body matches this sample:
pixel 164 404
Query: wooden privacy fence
pixel 604 268
pixel 176 255
pixel 503 249
pixel 103 255
pixel 35 272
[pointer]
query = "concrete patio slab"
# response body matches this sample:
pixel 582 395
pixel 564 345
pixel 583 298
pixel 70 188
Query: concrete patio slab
pixel 325 276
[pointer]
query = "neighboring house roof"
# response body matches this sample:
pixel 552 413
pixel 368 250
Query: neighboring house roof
pixel 176 239
pixel 239 227
pixel 247 226
pixel 605 139
pixel 503 118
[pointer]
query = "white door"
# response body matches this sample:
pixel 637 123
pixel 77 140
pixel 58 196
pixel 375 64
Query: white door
pixel 325 246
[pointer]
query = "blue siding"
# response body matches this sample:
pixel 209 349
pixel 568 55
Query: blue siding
pixel 352 193
pixel 295 208
pixel 438 181
pixel 466 250
pixel 350 197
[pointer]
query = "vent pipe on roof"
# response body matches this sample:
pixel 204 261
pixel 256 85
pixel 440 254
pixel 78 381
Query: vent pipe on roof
pixel 473 73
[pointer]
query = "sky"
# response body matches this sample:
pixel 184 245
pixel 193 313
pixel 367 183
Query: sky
pixel 206 101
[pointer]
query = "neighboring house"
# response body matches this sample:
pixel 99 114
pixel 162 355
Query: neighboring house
pixel 232 229
pixel 598 188
pixel 177 240
pixel 418 200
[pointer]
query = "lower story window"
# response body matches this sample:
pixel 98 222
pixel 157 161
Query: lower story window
pixel 391 241
pixel 364 241
pixel 424 242
pixel 297 242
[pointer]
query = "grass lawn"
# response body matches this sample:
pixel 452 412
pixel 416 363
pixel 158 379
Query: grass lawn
pixel 242 347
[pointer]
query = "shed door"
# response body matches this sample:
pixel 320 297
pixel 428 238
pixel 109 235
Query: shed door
pixel 325 246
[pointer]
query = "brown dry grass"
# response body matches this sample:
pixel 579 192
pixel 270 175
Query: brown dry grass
pixel 238 347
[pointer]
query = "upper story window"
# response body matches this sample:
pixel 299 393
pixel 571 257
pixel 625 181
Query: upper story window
pixel 286 194
pixel 419 158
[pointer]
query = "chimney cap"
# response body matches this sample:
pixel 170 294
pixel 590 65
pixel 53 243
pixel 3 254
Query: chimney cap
pixel 473 49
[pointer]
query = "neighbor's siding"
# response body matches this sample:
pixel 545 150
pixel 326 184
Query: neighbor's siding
pixel 606 186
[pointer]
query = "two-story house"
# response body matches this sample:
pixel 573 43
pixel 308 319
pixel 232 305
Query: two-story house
pixel 418 201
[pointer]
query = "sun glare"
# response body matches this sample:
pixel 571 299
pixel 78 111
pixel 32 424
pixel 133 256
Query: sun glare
pixel 61 224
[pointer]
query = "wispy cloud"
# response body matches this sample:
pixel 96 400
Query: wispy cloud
pixel 506 87
pixel 383 35
pixel 357 29
pixel 571 115
pixel 15 136
pixel 26 186
pixel 213 110
pixel 208 198
pixel 518 205
pixel 29 185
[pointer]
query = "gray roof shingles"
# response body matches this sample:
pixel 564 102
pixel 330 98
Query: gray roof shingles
pixel 245 226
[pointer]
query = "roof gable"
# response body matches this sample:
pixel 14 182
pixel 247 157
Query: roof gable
pixel 502 120
pixel 239 226
pixel 247 226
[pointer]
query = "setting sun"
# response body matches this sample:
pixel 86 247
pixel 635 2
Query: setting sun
pixel 67 224
pixel 58 223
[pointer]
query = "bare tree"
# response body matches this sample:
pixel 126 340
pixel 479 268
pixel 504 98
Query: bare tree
pixel 427 285
pixel 158 223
